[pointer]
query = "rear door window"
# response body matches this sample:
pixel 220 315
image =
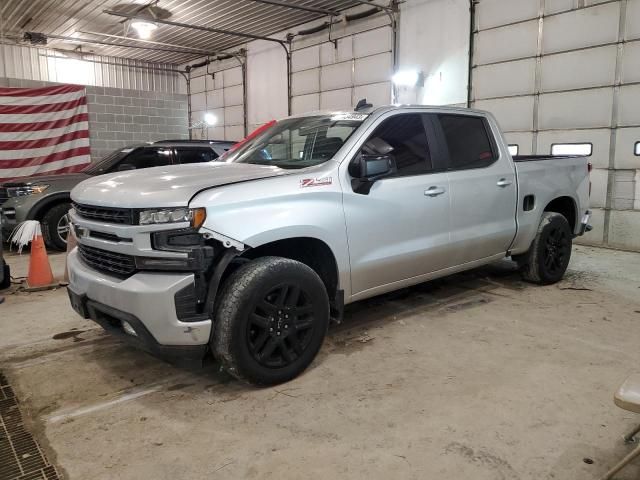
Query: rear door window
pixel 467 140
pixel 195 155
pixel 148 157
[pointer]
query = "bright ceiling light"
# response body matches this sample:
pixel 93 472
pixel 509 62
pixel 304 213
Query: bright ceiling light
pixel 210 119
pixel 144 28
pixel 406 78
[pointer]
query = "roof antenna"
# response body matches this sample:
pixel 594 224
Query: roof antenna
pixel 363 105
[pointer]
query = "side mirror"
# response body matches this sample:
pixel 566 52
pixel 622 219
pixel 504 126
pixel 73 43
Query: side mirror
pixel 125 166
pixel 367 169
pixel 377 166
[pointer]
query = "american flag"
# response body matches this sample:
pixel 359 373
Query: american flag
pixel 43 131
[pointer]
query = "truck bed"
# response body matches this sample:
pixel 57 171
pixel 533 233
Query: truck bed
pixel 545 178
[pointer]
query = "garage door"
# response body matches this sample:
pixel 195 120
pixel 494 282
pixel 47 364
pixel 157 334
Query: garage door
pixel 563 76
pixel 218 90
pixel 335 75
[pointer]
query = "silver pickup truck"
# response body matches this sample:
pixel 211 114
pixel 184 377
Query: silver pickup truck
pixel 250 257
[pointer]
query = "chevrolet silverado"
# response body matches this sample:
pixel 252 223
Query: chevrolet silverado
pixel 249 258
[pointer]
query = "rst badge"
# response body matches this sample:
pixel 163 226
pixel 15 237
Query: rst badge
pixel 315 182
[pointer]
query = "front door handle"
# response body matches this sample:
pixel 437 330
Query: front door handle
pixel 434 191
pixel 503 182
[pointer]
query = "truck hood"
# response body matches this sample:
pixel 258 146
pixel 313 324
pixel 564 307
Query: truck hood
pixel 170 186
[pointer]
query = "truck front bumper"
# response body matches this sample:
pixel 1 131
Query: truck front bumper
pixel 139 309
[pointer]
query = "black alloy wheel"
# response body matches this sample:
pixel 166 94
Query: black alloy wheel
pixel 271 319
pixel 281 326
pixel 557 251
pixel 548 257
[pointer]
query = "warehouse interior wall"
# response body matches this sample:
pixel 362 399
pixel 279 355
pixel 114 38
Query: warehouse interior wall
pixel 217 90
pixel 565 74
pixel 333 70
pixel 433 38
pixel 119 117
pixel 128 101
pixel 43 64
pixel 266 89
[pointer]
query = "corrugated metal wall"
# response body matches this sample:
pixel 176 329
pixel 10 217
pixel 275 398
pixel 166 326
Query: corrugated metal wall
pixel 42 64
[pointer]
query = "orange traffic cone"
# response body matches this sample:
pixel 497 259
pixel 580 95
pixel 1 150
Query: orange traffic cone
pixel 40 274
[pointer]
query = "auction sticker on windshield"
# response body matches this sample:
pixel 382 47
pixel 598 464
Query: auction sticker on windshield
pixel 350 116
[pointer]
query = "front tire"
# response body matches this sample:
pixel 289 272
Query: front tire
pixel 271 320
pixel 548 257
pixel 55 226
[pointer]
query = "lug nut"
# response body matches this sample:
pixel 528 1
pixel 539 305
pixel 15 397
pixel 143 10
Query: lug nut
pixel 278 333
pixel 271 329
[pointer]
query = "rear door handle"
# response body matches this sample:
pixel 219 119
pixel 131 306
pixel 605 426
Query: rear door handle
pixel 434 191
pixel 503 182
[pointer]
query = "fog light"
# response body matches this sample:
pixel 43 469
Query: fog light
pixel 128 329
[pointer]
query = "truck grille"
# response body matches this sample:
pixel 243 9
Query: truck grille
pixel 115 263
pixel 122 216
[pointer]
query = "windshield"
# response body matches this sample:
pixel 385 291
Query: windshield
pixel 298 142
pixel 105 164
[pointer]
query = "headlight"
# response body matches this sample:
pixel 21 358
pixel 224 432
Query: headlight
pixel 25 190
pixel 195 216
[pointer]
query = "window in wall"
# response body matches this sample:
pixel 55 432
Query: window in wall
pixel 70 70
pixel 636 149
pixel 406 134
pixel 468 141
pixel 585 149
pixel 513 149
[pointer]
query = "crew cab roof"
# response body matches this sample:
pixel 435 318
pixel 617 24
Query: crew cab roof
pixel 389 108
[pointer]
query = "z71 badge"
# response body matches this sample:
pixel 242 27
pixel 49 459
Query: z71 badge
pixel 315 182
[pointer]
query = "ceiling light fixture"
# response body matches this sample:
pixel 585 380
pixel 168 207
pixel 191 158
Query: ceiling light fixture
pixel 144 28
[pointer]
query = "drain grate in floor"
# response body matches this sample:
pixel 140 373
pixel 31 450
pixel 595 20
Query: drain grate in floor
pixel 20 455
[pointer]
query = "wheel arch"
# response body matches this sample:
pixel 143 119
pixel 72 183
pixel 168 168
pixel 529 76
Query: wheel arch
pixel 40 208
pixel 566 206
pixel 311 251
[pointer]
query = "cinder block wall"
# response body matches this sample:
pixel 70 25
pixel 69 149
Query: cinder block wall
pixel 119 117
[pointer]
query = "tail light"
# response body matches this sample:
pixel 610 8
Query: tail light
pixel 589 168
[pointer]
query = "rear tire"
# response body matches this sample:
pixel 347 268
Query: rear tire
pixel 55 226
pixel 271 320
pixel 548 257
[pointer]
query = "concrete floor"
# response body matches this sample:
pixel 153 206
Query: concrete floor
pixel 476 376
